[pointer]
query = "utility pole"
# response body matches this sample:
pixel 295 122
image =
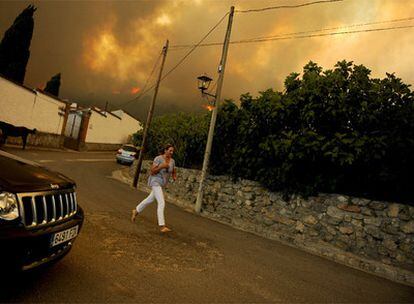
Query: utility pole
pixel 221 70
pixel 149 118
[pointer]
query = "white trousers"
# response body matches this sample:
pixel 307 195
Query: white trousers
pixel 159 196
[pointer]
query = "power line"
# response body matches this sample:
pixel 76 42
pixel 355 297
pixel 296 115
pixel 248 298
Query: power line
pixel 335 28
pixel 324 34
pixel 193 47
pixel 146 83
pixel 281 37
pixel 285 6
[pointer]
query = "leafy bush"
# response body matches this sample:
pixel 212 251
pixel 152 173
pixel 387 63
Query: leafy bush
pixel 330 131
pixel 186 131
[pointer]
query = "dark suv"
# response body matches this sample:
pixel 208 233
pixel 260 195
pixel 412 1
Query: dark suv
pixel 39 213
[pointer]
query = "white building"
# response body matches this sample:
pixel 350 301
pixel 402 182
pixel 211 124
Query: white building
pixel 61 123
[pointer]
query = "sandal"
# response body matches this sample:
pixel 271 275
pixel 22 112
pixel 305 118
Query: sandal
pixel 165 229
pixel 134 214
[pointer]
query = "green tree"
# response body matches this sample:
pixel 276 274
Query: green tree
pixel 186 131
pixel 225 138
pixel 336 130
pixel 53 85
pixel 14 47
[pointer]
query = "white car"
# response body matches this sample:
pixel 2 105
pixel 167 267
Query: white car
pixel 126 154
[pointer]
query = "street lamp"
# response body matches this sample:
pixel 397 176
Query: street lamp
pixel 203 85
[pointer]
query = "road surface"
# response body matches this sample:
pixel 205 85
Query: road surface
pixel 114 260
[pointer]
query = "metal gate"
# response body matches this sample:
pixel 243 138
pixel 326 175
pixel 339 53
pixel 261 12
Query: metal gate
pixel 72 130
pixel 73 125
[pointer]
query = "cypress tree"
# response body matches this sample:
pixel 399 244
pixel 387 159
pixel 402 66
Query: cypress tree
pixel 53 85
pixel 14 47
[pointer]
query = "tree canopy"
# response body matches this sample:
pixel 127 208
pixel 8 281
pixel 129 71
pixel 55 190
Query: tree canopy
pixel 186 131
pixel 14 47
pixel 53 85
pixel 338 130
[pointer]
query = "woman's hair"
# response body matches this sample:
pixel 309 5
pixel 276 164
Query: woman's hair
pixel 165 148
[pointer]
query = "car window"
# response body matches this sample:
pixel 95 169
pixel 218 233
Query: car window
pixel 129 149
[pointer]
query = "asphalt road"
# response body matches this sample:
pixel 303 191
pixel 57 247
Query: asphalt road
pixel 114 260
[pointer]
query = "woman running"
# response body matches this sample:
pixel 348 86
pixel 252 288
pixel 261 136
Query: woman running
pixel 161 169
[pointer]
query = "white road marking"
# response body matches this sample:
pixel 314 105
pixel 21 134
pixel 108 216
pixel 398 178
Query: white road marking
pixel 90 160
pixel 77 160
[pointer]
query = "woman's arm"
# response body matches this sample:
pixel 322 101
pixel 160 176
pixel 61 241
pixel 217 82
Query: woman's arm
pixel 155 168
pixel 174 174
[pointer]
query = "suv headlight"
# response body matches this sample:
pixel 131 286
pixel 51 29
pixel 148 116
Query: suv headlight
pixel 9 209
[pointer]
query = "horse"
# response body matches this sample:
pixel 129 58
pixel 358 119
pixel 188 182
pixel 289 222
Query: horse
pixel 13 131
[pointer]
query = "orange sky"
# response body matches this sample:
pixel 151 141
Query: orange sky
pixel 102 47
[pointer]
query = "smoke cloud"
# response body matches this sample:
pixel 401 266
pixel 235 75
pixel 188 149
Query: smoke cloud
pixel 106 50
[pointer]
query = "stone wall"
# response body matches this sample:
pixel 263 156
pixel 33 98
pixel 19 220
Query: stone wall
pixel 373 236
pixel 40 139
pixel 99 147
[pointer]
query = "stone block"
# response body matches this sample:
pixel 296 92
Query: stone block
pixel 382 250
pixel 274 197
pixel 411 211
pixel 360 243
pixel 299 239
pixel 333 221
pixel 341 245
pixel 386 261
pixel 401 258
pixel 306 204
pixel 407 248
pixel 408 227
pixel 318 208
pixel 393 210
pixel 283 220
pixel 300 227
pixel 248 196
pixel 346 229
pixel 331 230
pixel 377 205
pixel 267 221
pixel 228 191
pixel 312 232
pixel 342 199
pixel 349 208
pixel 266 201
pixel 247 189
pixel 368 212
pixel 284 211
pixel 391 229
pixel 404 214
pixel 310 220
pixel 389 244
pixel 357 223
pixel 374 232
pixel 335 212
pixel 375 221
pixel 328 237
pixel 360 201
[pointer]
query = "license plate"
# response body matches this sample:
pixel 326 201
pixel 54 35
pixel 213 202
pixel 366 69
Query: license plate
pixel 63 236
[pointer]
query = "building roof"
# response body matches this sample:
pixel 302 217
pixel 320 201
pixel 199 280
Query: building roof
pixel 35 91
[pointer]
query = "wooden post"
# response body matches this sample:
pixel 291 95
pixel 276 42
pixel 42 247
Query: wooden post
pixel 149 118
pixel 207 153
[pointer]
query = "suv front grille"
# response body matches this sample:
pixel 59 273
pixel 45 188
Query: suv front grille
pixel 43 208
